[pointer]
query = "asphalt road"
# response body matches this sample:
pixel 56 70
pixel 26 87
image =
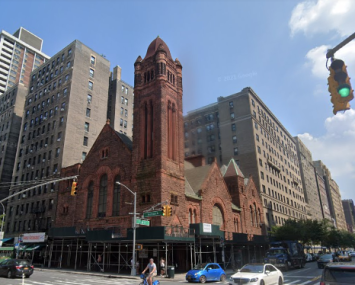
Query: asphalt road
pixel 306 276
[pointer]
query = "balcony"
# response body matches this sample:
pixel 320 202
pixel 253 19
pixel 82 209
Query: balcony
pixel 269 161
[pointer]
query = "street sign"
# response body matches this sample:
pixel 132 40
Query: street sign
pixel 153 214
pixel 142 222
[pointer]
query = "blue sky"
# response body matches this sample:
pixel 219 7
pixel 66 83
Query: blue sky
pixel 276 47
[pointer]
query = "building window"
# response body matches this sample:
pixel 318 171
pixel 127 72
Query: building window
pixel 86 126
pixel 126 101
pixel 92 59
pixel 88 112
pixel 232 115
pixel 116 197
pixel 234 139
pixel 257 137
pixel 102 196
pixel 262 175
pixel 231 105
pixel 91 73
pixel 91 85
pixel 235 151
pixel 57 151
pixel 89 200
pixel 86 140
pixel 122 100
pixel 234 127
pixel 121 122
pixel 83 155
pixel 252 102
pixel 89 98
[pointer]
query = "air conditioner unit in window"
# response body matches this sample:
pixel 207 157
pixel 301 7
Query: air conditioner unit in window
pixel 45 145
pixel 58 140
pixel 52 190
pixel 43 160
pixel 62 109
pixel 31 150
pixel 28 165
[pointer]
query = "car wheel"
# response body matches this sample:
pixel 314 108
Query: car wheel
pixel 189 281
pixel 280 281
pixel 27 276
pixel 9 274
pixel 203 279
pixel 262 282
pixel 223 278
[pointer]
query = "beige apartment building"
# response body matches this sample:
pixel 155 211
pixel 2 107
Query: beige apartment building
pixel 120 103
pixel 65 110
pixel 20 53
pixel 242 127
pixel 334 196
pixel 309 182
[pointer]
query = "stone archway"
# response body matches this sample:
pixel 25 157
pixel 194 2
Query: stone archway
pixel 217 216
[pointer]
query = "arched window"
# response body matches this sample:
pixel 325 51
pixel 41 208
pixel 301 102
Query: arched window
pixel 236 226
pixel 251 216
pixel 194 216
pixel 217 217
pixel 190 216
pixel 89 200
pixel 102 196
pixel 255 216
pixel 116 197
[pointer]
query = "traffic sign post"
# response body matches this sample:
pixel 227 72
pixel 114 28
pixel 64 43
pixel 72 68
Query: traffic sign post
pixel 142 222
pixel 153 214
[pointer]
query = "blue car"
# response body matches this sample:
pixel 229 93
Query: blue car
pixel 206 272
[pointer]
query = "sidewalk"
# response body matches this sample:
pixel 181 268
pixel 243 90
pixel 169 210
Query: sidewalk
pixel 178 276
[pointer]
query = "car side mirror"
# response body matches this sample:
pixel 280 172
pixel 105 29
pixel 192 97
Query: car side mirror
pixel 267 272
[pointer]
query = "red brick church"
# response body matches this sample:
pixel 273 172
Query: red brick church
pixel 216 213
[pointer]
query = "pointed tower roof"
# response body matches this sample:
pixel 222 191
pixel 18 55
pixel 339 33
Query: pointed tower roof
pixel 233 169
pixel 156 44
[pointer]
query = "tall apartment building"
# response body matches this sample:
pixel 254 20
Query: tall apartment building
pixel 11 110
pixel 242 127
pixel 65 110
pixel 120 103
pixel 309 182
pixel 349 212
pixel 323 196
pixel 334 197
pixel 20 53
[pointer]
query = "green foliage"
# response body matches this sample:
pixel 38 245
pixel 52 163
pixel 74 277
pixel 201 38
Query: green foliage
pixel 313 231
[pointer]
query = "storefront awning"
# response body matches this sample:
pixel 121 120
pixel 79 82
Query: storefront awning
pixel 6 239
pixel 34 247
pixel 6 248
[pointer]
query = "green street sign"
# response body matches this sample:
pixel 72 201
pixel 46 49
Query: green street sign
pixel 153 214
pixel 142 222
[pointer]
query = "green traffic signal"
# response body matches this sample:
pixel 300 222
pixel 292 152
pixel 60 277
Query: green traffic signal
pixel 344 90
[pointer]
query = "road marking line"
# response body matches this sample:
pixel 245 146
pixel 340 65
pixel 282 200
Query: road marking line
pixel 41 283
pixel 316 278
pixel 293 282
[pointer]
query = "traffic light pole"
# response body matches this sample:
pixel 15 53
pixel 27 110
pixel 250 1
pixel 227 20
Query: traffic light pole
pixel 38 185
pixel 331 52
pixel 133 269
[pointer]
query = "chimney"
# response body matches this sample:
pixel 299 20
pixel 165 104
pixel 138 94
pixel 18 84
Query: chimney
pixel 117 73
pixel 196 160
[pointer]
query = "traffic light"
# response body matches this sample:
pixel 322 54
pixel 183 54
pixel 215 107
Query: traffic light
pixel 339 86
pixel 165 210
pixel 168 211
pixel 74 188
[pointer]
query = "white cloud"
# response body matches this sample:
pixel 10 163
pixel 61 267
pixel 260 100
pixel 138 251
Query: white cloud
pixel 316 60
pixel 323 16
pixel 336 150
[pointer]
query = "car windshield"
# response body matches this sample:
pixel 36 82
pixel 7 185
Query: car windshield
pixel 253 268
pixel 340 275
pixel 326 256
pixel 276 251
pixel 200 266
pixel 22 262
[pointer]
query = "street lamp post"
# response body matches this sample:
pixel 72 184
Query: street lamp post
pixel 133 270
